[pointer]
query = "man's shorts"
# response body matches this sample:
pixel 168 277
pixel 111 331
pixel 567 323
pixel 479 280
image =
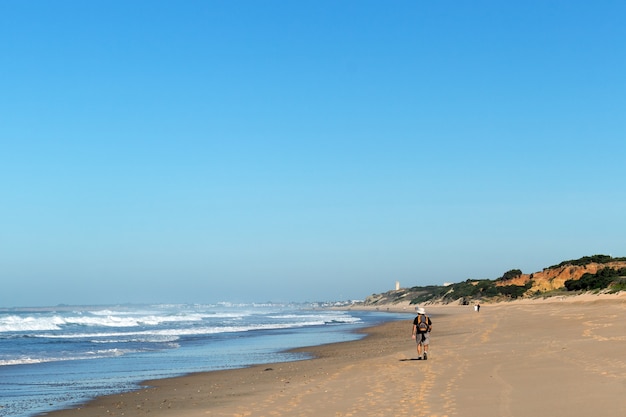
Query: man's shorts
pixel 423 338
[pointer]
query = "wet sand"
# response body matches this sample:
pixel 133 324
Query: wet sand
pixel 521 359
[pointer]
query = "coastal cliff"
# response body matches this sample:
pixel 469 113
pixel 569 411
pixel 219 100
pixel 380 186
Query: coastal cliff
pixel 590 273
pixel 554 278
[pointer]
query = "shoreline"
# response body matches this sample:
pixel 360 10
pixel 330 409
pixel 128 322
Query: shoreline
pixel 224 386
pixel 564 354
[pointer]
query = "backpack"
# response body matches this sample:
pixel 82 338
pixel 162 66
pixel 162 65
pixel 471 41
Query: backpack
pixel 422 323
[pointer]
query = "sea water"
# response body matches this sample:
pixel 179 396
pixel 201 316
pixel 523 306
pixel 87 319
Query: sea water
pixel 52 358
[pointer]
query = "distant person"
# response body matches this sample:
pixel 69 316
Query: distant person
pixel 477 307
pixel 422 325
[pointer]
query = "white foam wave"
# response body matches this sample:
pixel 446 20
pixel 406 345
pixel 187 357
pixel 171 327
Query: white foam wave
pixel 96 354
pixel 20 324
pixel 23 361
pixel 189 331
pixel 138 339
pixel 319 318
pixel 16 323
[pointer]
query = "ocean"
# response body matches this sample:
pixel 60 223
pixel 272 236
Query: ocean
pixel 60 357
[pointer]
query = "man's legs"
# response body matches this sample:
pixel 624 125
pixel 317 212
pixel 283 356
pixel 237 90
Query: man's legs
pixel 421 340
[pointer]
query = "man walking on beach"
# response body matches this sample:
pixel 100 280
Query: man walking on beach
pixel 422 325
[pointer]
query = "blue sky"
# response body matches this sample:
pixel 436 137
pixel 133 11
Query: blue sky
pixel 202 151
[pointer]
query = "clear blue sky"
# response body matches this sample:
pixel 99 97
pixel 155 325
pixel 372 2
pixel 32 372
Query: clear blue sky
pixel 201 151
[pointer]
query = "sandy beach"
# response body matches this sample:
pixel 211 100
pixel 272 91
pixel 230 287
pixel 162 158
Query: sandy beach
pixel 559 356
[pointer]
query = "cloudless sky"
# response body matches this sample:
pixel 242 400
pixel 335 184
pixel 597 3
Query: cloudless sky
pixel 203 151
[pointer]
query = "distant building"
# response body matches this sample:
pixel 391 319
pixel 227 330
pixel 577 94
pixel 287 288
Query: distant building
pixel 397 285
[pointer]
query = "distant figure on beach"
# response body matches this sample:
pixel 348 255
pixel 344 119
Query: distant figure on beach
pixel 477 307
pixel 422 325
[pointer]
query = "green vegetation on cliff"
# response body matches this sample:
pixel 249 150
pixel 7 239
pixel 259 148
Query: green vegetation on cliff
pixel 513 273
pixel 586 260
pixel 468 290
pixel 610 278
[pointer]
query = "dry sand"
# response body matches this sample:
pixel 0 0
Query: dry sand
pixel 558 357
